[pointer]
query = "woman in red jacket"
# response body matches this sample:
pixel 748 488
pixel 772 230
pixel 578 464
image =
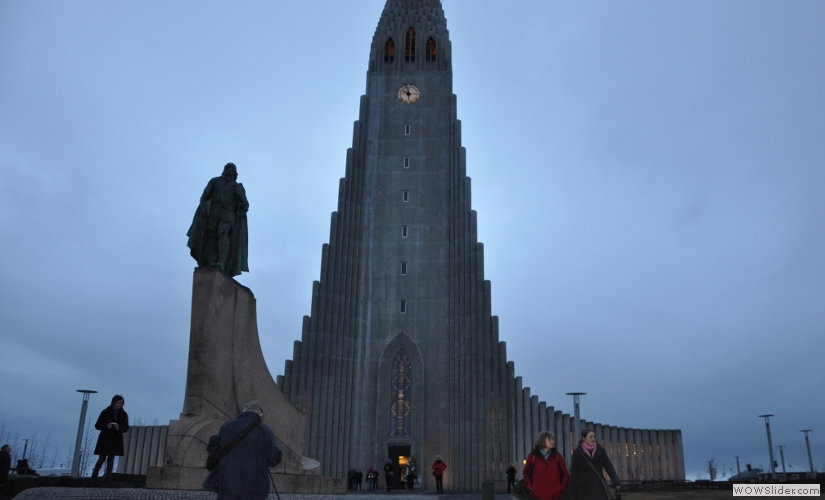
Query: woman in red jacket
pixel 545 472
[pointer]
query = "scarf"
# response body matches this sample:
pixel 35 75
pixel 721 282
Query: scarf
pixel 590 450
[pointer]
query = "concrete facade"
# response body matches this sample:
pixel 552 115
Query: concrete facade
pixel 400 354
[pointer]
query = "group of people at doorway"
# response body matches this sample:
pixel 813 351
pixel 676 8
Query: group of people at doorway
pixel 546 477
pixel 409 474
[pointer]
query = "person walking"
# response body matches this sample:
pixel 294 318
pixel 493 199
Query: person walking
pixel 389 474
pixel 410 475
pixel 589 460
pixel 112 423
pixel 243 473
pixel 545 473
pixel 5 467
pixel 438 471
pixel 511 477
pixel 372 478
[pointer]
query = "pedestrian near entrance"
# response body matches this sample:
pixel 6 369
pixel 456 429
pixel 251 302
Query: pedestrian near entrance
pixel 372 478
pixel 438 471
pixel 389 474
pixel 545 473
pixel 589 460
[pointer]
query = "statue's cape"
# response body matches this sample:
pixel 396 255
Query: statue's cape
pixel 197 232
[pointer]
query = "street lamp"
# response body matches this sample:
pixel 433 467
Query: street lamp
pixel 83 406
pixel 770 443
pixel 808 446
pixel 576 420
pixel 782 457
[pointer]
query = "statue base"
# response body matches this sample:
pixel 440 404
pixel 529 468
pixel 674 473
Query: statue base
pixel 226 370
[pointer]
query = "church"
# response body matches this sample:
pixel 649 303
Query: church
pixel 400 357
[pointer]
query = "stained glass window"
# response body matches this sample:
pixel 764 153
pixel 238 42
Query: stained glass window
pixel 409 46
pixel 430 52
pixel 400 394
pixel 389 51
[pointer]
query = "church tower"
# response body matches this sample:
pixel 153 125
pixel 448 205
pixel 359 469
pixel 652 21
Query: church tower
pixel 400 356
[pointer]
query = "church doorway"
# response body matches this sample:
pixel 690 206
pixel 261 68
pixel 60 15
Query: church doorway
pixel 400 456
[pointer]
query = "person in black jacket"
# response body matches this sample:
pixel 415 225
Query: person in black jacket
pixel 511 477
pixel 5 467
pixel 243 473
pixel 112 423
pixel 587 479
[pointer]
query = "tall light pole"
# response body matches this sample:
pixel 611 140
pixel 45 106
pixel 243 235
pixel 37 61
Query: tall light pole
pixel 576 417
pixel 770 443
pixel 738 469
pixel 808 446
pixel 83 406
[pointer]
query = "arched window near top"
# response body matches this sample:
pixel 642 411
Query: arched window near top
pixel 389 51
pixel 430 50
pixel 409 46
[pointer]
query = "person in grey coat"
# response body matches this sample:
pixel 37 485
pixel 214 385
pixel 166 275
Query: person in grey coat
pixel 243 473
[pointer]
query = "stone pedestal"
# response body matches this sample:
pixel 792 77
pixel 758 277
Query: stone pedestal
pixel 226 370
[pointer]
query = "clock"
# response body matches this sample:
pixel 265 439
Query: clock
pixel 408 93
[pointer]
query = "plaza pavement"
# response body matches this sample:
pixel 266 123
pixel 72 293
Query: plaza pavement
pixel 62 493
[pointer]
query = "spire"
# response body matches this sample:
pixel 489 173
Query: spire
pixel 411 32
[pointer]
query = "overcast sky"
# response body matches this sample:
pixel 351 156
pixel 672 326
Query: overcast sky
pixel 648 178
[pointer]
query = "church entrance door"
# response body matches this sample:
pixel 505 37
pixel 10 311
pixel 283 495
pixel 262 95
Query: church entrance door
pixel 400 456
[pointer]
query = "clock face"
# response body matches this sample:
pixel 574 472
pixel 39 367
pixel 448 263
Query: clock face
pixel 408 93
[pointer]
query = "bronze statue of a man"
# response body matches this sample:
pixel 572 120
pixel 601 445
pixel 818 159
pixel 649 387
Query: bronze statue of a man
pixel 218 234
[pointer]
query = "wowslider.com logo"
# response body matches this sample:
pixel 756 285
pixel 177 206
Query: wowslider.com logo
pixel 776 490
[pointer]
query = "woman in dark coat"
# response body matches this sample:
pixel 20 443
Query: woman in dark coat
pixel 587 479
pixel 112 423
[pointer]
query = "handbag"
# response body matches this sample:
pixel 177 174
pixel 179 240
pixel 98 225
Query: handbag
pixel 609 492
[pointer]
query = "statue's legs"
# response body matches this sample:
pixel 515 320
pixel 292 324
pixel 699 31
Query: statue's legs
pixel 224 227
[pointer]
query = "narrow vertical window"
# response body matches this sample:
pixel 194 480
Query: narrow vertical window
pixel 429 53
pixel 389 51
pixel 400 394
pixel 406 162
pixel 407 129
pixel 402 307
pixel 405 196
pixel 404 231
pixel 403 267
pixel 409 46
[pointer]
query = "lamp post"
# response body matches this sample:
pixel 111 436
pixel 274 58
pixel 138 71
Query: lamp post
pixel 83 406
pixel 808 446
pixel 782 458
pixel 767 417
pixel 738 469
pixel 576 419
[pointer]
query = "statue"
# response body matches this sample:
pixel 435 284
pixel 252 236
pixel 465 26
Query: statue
pixel 218 234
